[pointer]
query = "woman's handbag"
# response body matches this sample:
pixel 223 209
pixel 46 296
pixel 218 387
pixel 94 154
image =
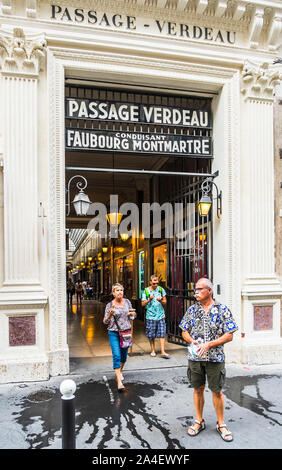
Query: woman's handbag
pixel 125 336
pixel 125 339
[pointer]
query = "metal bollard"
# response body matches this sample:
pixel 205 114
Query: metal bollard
pixel 67 389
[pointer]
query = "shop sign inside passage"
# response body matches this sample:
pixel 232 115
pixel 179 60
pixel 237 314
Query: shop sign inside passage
pixel 168 144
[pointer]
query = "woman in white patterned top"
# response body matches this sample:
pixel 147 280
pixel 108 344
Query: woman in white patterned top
pixel 118 314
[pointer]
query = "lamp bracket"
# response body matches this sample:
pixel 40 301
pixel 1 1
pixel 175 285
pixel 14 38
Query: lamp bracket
pixel 206 188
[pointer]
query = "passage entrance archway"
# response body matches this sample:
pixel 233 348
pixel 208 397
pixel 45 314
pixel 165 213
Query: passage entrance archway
pixel 106 122
pixel 220 82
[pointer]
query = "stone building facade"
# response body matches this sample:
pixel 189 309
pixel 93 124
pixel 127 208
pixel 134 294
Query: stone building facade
pixel 223 49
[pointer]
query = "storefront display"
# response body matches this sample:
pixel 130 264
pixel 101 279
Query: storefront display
pixel 160 263
pixel 128 276
pixel 141 273
pixel 107 277
pixel 119 270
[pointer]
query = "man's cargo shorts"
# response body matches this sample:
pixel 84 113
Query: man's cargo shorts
pixel 214 371
pixel 155 328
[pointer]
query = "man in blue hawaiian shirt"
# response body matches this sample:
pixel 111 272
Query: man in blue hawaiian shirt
pixel 207 326
pixel 154 299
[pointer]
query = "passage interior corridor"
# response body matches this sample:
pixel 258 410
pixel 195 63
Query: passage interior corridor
pixel 88 337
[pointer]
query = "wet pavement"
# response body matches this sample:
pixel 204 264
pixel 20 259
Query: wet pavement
pixel 153 413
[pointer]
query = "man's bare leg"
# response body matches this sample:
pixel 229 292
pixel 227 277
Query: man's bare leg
pixel 199 401
pixel 218 402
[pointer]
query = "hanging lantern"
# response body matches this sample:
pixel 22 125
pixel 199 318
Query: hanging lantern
pixel 114 218
pixel 204 205
pixel 81 203
pixel 205 201
pixel 124 236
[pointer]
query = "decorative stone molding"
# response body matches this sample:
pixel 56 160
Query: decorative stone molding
pixel 239 11
pixel 31 8
pixel 261 287
pixel 259 80
pixel 13 306
pixel 196 6
pixel 256 27
pixel 234 15
pixel 213 8
pixel 58 357
pixel 138 64
pixel 21 55
pixel 6 7
pixel 274 32
pixel 182 4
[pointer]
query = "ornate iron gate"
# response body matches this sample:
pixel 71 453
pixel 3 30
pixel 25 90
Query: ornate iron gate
pixel 187 261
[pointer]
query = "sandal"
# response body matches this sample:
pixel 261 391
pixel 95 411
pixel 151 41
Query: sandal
pixel 165 356
pixel 197 430
pixel 224 434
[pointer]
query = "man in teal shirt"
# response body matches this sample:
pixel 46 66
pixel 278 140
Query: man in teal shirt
pixel 153 299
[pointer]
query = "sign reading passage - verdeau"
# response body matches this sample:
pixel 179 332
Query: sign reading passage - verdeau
pixel 137 113
pixel 139 142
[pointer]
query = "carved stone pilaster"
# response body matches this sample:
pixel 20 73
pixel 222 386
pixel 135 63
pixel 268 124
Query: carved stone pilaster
pixel 21 60
pixel 20 55
pixel 259 80
pixel 22 296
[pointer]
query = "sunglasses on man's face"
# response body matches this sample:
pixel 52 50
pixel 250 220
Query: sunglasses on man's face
pixel 200 288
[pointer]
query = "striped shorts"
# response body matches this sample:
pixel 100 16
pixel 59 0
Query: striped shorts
pixel 155 328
